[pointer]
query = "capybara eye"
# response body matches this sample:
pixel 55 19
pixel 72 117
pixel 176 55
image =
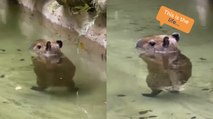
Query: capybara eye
pixel 38 46
pixel 48 46
pixel 152 43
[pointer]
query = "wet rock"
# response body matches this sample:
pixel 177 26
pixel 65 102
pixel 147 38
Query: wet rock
pixel 3 50
pixel 201 58
pixel 21 59
pixel 19 50
pixel 152 116
pixel 2 76
pixel 194 117
pixel 144 112
pixel 121 95
pixel 4 102
pixel 205 89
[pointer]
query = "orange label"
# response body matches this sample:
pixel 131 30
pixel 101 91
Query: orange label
pixel 174 19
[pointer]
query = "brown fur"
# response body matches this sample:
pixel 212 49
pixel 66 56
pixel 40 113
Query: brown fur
pixel 158 39
pixel 167 71
pixel 56 70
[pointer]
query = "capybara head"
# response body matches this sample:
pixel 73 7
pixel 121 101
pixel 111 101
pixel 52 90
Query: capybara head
pixel 158 43
pixel 46 48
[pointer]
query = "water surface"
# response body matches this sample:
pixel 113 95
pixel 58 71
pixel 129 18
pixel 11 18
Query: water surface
pixel 18 29
pixel 129 20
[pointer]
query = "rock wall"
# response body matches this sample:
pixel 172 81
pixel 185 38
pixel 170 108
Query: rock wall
pixel 84 23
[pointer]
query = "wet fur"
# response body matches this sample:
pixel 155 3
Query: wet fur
pixel 167 70
pixel 51 67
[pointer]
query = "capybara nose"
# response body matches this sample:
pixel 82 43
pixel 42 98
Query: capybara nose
pixel 152 44
pixel 48 46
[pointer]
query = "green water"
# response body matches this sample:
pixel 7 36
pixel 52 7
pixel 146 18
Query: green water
pixel 129 20
pixel 18 29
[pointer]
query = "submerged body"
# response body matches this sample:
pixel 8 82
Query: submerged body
pixel 51 67
pixel 167 71
pixel 168 68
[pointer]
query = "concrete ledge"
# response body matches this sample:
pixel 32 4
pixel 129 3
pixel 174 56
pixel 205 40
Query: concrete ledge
pixel 83 23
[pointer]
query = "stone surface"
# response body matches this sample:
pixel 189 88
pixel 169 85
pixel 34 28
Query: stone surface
pixel 83 23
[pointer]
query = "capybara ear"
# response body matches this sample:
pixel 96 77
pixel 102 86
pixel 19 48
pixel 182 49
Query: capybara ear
pixel 166 42
pixel 176 36
pixel 60 43
pixel 139 44
pixel 48 46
